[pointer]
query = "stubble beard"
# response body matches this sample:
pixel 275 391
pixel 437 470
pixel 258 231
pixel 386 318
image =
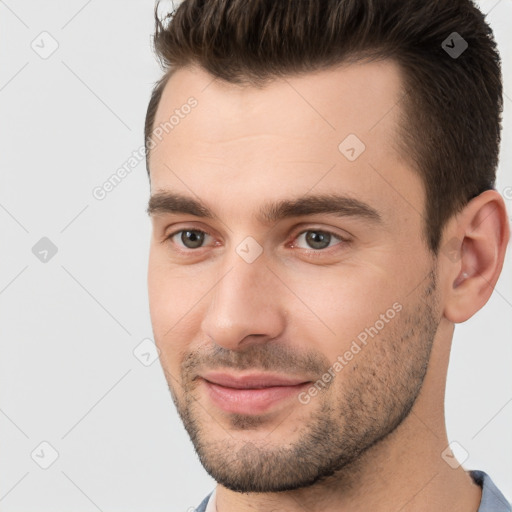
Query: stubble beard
pixel 382 385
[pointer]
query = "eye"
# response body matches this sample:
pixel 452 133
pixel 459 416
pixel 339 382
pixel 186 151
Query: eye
pixel 189 238
pixel 317 239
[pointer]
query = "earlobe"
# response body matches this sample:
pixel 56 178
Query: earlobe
pixel 483 231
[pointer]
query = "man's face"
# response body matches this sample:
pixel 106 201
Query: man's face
pixel 325 311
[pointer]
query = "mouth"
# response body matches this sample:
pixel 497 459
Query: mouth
pixel 251 393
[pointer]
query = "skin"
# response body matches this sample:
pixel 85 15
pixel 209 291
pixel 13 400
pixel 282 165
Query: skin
pixel 379 424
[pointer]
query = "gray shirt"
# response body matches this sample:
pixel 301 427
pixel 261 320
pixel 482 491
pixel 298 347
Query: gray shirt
pixel 492 499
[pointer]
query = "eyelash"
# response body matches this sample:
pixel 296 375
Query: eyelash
pixel 311 252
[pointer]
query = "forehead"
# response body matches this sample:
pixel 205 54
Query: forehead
pixel 355 98
pixel 288 134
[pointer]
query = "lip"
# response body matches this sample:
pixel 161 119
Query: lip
pixel 252 380
pixel 251 393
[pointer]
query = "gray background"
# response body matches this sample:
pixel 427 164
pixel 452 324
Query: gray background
pixel 69 326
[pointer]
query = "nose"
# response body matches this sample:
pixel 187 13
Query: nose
pixel 244 306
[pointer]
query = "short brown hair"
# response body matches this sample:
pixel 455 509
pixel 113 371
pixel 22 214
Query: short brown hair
pixel 451 113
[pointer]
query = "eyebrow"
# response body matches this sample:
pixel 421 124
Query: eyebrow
pixel 334 204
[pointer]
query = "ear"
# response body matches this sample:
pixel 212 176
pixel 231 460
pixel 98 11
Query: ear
pixel 472 253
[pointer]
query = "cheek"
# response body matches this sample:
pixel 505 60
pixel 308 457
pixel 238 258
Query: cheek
pixel 158 295
pixel 172 291
pixel 175 301
pixel 342 304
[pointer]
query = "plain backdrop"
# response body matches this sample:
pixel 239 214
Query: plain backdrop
pixel 75 79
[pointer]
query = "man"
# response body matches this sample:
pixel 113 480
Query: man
pixel 323 206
